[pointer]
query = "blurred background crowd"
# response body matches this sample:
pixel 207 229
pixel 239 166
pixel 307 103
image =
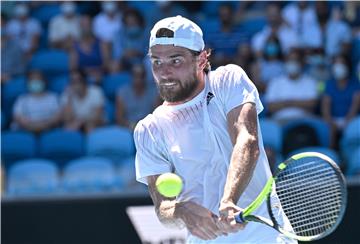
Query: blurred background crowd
pixel 75 79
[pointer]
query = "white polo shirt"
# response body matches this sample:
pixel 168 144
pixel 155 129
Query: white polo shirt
pixel 192 140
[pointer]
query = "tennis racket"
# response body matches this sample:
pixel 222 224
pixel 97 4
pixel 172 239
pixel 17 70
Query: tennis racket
pixel 312 193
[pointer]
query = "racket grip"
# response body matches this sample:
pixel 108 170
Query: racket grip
pixel 239 218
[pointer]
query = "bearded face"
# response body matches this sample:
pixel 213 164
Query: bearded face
pixel 174 70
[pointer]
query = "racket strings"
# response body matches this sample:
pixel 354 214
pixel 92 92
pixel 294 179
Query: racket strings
pixel 310 195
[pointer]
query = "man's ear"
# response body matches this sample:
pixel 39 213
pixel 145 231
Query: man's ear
pixel 202 60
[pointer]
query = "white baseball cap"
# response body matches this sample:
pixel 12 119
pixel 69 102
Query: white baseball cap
pixel 187 34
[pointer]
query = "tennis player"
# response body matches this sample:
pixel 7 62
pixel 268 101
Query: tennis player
pixel 207 132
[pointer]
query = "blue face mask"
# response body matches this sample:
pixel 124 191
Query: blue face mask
pixel 271 49
pixel 36 86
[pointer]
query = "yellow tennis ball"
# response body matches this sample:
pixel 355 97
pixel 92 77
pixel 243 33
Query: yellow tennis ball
pixel 169 185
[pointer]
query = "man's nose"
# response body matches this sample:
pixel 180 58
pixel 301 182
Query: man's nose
pixel 165 71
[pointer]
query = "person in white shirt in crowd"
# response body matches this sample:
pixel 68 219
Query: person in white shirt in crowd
pixel 24 29
pixel 65 27
pixel 330 32
pixel 277 27
pixel 136 100
pixel 83 104
pixel 107 22
pixel 301 16
pixel 38 110
pixel 207 132
pixel 293 95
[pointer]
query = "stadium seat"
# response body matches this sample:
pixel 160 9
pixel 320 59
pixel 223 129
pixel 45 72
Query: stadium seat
pixel 126 173
pixel 112 83
pixel 10 91
pixel 61 145
pixel 253 25
pixel 353 167
pixel 271 134
pixel 45 12
pixel 33 177
pixel 89 174
pixel 350 139
pixel 321 127
pixel 113 142
pixel 324 150
pixel 17 145
pixel 51 62
pixel 58 84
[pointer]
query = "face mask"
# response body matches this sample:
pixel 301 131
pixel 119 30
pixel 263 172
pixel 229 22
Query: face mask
pixel 340 71
pixel 36 86
pixel 21 10
pixel 292 68
pixel 68 8
pixel 271 49
pixel 109 7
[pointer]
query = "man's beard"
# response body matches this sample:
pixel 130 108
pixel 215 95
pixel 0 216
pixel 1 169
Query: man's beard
pixel 179 92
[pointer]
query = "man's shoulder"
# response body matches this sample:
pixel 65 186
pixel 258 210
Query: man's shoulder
pixel 146 126
pixel 224 73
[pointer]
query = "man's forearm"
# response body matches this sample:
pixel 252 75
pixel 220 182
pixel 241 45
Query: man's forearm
pixel 243 161
pixel 168 210
pixel 169 214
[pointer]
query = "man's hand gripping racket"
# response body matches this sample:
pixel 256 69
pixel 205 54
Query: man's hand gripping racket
pixel 312 193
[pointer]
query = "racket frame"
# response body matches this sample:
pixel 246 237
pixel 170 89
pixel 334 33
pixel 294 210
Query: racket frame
pixel 246 216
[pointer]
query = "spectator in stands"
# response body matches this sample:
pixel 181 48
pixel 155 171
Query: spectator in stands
pixel 244 56
pixel 276 26
pixel 13 60
pixel 24 29
pixel 65 27
pixel 38 110
pixel 164 9
pixel 271 65
pixel 331 33
pixel 293 95
pixel 301 17
pixel 89 53
pixel 129 44
pixel 107 22
pixel 227 32
pixel 83 104
pixel 341 100
pixel 317 66
pixel 136 100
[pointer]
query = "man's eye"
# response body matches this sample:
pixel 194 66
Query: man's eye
pixel 176 61
pixel 157 62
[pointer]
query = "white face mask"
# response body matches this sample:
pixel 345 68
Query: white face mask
pixel 109 7
pixel 340 71
pixel 292 68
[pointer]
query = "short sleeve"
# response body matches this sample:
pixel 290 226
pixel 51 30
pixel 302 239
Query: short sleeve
pixel 236 88
pixel 150 154
pixel 18 106
pixel 97 96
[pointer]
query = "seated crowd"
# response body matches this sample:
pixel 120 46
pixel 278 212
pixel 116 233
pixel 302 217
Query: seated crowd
pixel 303 57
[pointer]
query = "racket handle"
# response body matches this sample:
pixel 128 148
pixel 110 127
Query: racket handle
pixel 240 219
